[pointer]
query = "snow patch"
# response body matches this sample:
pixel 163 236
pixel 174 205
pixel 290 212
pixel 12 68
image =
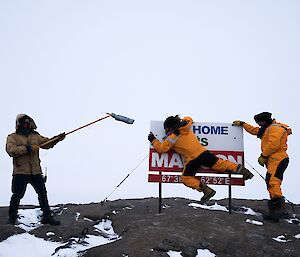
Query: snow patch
pixel 27 244
pixel 200 253
pixel 297 236
pixel 281 239
pixel 50 233
pixel 205 253
pixel 247 211
pixel 254 222
pixel 174 254
pixel 77 215
pixel 214 207
pixel 106 226
pixel 127 208
pixel 44 248
pixel 29 219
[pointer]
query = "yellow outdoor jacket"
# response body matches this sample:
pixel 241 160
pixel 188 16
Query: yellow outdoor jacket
pixel 274 139
pixel 185 144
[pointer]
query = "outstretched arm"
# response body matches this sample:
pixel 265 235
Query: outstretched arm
pixel 165 146
pixel 47 143
pixel 249 128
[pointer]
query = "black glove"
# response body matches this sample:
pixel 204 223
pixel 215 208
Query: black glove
pixel 151 137
pixel 61 136
pixel 182 123
pixel 29 148
pixel 32 148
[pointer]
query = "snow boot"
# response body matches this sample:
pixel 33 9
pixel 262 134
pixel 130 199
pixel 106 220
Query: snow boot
pixel 272 215
pixel 245 172
pixel 48 219
pixel 208 193
pixel 281 208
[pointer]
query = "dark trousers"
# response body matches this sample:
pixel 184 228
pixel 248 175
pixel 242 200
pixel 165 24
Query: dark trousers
pixel 206 159
pixel 18 188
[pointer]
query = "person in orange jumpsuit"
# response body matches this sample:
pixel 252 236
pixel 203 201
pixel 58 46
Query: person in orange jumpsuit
pixel 182 140
pixel 273 155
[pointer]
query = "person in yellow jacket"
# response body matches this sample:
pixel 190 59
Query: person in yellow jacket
pixel 273 155
pixel 23 146
pixel 182 140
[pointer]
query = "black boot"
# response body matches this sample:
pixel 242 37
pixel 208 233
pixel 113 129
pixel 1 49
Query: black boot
pixel 208 193
pixel 245 172
pixel 281 208
pixel 273 215
pixel 13 210
pixel 48 219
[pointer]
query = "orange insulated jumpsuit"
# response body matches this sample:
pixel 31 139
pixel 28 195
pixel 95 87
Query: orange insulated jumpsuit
pixel 195 155
pixel 274 147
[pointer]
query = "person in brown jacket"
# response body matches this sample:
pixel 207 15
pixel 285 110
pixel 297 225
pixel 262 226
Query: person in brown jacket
pixel 23 146
pixel 273 155
pixel 182 140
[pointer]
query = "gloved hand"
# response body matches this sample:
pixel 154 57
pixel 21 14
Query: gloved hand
pixel 238 123
pixel 61 136
pixel 35 148
pixel 32 148
pixel 151 137
pixel 262 160
pixel 182 123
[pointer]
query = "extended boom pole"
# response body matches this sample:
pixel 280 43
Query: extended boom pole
pixel 113 115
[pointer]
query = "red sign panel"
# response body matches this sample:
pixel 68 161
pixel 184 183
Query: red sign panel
pixel 206 179
pixel 172 161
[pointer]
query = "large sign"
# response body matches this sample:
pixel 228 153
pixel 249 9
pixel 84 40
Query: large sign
pixel 222 139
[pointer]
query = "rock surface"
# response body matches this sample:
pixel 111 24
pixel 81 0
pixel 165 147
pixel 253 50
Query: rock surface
pixel 146 233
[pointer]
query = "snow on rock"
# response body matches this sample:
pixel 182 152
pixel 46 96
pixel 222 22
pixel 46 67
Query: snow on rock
pixel 204 253
pixel 246 210
pixel 281 239
pixel 50 233
pixel 297 236
pixel 29 219
pixel 215 207
pixel 106 226
pixel 174 254
pixel 200 253
pixel 44 248
pixel 28 244
pixel 254 222
pixel 77 215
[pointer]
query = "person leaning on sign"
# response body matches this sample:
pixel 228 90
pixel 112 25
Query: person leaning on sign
pixel 23 146
pixel 182 140
pixel 273 155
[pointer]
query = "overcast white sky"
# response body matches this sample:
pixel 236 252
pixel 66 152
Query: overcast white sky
pixel 65 63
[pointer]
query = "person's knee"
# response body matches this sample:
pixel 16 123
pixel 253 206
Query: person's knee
pixel 190 181
pixel 184 179
pixel 18 195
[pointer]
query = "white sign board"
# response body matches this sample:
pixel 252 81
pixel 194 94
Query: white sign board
pixel 222 139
